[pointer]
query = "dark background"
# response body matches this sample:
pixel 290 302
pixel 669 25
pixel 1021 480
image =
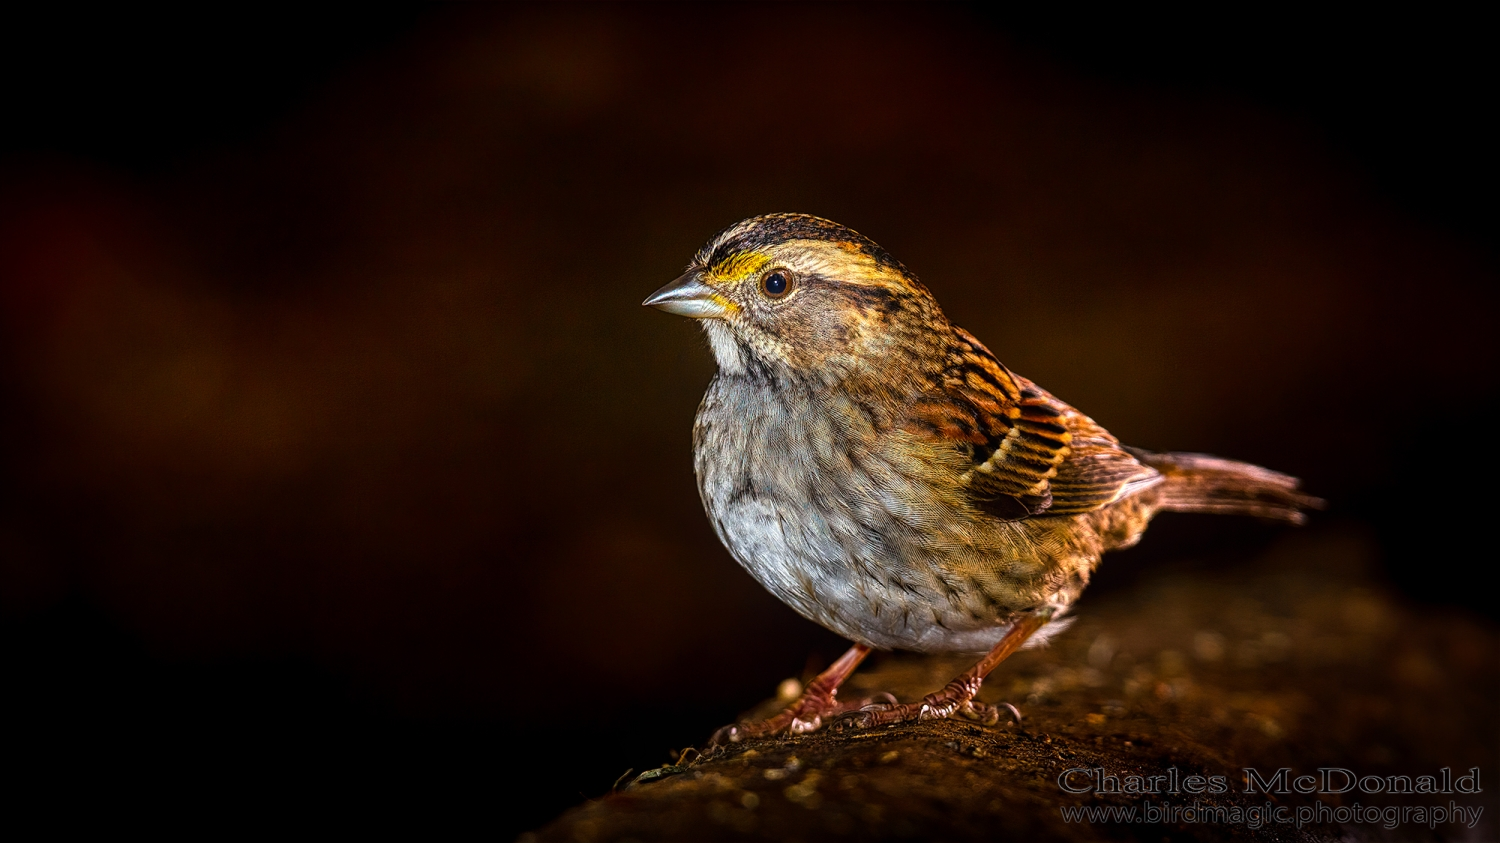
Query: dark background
pixel 341 468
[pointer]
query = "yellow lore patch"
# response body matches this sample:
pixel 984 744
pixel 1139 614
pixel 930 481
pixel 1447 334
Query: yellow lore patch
pixel 736 267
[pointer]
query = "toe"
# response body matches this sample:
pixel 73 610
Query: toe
pixel 726 735
pixel 802 727
pixel 979 712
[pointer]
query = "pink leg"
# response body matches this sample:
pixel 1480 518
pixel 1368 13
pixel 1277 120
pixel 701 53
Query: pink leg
pixel 807 713
pixel 957 696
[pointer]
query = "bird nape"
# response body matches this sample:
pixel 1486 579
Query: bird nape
pixel 879 470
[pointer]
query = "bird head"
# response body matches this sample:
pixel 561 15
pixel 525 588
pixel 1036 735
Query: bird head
pixel 792 295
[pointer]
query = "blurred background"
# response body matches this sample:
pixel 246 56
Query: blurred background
pixel 340 465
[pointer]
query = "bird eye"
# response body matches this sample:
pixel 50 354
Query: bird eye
pixel 776 283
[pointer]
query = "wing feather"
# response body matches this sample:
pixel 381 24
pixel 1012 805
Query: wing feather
pixel 1033 455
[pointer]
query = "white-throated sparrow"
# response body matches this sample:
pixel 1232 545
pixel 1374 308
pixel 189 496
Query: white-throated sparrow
pixel 876 468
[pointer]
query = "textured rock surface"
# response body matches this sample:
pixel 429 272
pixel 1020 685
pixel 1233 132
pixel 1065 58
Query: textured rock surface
pixel 1300 662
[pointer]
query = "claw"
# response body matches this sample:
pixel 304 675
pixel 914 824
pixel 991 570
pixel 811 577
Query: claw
pixel 851 721
pixel 725 734
pixel 1014 712
pixel 982 713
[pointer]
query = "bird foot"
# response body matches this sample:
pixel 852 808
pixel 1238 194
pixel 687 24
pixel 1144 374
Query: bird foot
pixel 957 698
pixel 807 714
pixel 816 704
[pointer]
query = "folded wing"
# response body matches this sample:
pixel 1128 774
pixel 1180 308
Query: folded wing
pixel 1032 455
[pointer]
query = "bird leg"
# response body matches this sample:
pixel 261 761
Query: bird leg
pixel 957 697
pixel 807 713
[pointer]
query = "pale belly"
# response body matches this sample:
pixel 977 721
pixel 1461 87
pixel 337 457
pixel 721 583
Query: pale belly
pixel 859 542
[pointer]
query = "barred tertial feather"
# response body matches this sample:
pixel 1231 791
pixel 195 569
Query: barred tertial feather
pixel 1026 461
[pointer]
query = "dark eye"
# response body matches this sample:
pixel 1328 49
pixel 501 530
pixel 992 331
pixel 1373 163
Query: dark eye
pixel 776 283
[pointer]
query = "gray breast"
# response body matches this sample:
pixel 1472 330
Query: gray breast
pixel 813 512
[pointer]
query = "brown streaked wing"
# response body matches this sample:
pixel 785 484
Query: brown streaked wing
pixel 1098 472
pixel 1014 433
pixel 1022 464
pixel 1033 454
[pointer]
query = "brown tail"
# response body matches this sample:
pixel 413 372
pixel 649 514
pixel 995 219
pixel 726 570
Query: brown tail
pixel 1201 483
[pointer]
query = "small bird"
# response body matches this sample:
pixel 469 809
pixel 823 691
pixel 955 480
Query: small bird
pixel 879 470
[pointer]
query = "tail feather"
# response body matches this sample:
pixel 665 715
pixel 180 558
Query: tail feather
pixel 1201 483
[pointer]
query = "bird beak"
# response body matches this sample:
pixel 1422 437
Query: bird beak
pixel 687 296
